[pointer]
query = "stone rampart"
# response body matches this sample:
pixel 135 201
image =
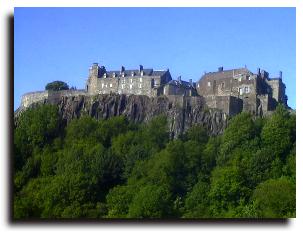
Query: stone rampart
pixel 40 96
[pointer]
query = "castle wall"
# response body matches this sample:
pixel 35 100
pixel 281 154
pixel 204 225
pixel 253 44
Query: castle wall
pixel 39 96
pixel 228 104
pixel 228 85
pixel 278 90
pixel 33 97
pixel 177 90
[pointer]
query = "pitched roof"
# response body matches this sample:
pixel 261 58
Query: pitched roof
pixel 226 73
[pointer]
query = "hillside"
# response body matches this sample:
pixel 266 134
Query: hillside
pixel 116 168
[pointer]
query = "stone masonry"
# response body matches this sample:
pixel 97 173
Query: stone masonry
pixel 231 91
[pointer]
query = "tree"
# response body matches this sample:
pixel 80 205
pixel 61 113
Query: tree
pixel 277 133
pixel 275 198
pixel 152 201
pixel 35 128
pixel 197 201
pixel 56 86
pixel 118 200
pixel 238 134
pixel 227 190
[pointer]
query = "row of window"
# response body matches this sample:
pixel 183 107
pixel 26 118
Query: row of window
pixel 131 80
pixel 122 74
pixel 122 86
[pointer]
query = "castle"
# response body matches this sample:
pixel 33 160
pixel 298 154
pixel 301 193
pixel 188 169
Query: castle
pixel 231 91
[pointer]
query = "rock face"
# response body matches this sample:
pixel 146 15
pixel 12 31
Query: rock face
pixel 181 112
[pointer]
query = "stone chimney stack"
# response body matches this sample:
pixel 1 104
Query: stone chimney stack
pixel 258 71
pixel 122 69
pixel 141 68
pixel 220 69
pixel 280 74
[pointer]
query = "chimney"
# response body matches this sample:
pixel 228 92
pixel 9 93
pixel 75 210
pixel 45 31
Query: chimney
pixel 179 78
pixel 191 82
pixel 258 71
pixel 141 68
pixel 280 74
pixel 220 69
pixel 122 69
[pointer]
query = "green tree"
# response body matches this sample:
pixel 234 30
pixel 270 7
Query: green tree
pixel 275 198
pixel 118 200
pixel 35 128
pixel 197 201
pixel 278 132
pixel 238 134
pixel 152 201
pixel 56 85
pixel 227 190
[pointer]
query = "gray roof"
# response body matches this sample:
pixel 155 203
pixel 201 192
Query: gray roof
pixel 146 72
pixel 226 73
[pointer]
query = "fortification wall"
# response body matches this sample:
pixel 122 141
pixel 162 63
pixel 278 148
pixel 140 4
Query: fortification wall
pixel 40 96
pixel 33 97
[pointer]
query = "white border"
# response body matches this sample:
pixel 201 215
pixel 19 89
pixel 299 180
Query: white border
pixel 6 8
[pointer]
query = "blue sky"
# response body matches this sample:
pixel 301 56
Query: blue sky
pixel 61 43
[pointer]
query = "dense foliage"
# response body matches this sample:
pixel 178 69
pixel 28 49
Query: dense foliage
pixel 116 169
pixel 56 85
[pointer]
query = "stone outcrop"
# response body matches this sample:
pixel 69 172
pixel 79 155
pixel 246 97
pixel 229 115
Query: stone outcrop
pixel 181 112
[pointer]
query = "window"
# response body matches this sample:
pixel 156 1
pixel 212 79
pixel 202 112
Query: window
pixel 208 84
pixel 241 91
pixel 122 86
pixel 222 85
pixel 140 79
pixel 110 85
pixel 123 81
pixel 130 86
pixel 246 90
pixel 102 86
pixel 131 80
pixel 152 83
pixel 140 86
pixel 198 86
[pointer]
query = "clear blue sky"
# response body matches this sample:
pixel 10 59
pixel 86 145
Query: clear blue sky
pixel 61 43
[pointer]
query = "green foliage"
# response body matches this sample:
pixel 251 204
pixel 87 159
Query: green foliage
pixel 152 201
pixel 237 135
pixel 117 169
pixel 36 127
pixel 197 201
pixel 278 132
pixel 275 198
pixel 56 85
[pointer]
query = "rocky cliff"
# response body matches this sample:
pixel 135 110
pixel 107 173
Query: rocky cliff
pixel 182 112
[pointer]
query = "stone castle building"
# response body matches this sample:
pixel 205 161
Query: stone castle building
pixel 242 89
pixel 232 91
pixel 140 81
